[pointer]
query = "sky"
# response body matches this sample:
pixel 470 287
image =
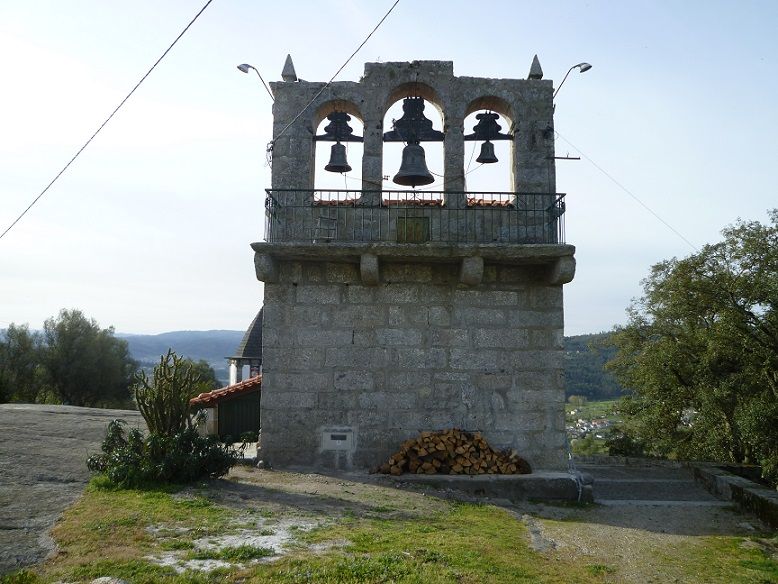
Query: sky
pixel 149 230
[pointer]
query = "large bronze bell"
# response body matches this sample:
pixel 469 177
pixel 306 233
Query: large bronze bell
pixel 413 170
pixel 487 153
pixel 338 162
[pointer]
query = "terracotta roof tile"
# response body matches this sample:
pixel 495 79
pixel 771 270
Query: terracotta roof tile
pixel 413 202
pixel 213 397
pixel 335 203
pixel 472 202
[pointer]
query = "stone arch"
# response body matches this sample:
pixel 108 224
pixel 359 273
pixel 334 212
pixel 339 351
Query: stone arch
pixel 321 179
pixel 435 151
pixel 336 105
pixel 415 88
pixel 494 103
pixel 500 177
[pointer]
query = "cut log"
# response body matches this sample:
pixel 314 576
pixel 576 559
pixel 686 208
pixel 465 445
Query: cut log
pixel 452 451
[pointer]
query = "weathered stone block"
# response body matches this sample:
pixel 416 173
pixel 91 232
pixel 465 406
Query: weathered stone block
pixel 342 273
pixel 288 359
pixel 439 316
pixel 353 381
pixel 456 337
pixel 411 315
pixel 401 380
pixel 397 293
pixel 319 294
pixel 289 399
pixel 408 272
pixel 298 382
pixel 501 337
pixel 360 295
pixel 468 316
pixel 364 359
pixel 424 358
pixel 397 337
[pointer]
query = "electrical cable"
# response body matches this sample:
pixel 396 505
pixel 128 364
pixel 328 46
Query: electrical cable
pixel 326 85
pixel 630 193
pixel 108 119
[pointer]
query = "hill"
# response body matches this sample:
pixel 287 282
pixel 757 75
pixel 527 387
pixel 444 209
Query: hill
pixel 211 346
pixel 584 373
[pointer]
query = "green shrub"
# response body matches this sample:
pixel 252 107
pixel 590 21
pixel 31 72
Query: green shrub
pixel 129 459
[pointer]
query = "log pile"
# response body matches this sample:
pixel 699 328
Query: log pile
pixel 454 452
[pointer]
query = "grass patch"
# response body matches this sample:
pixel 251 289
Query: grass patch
pixel 107 529
pixel 600 569
pixel 467 543
pixel 241 553
pixel 176 545
pixel 727 560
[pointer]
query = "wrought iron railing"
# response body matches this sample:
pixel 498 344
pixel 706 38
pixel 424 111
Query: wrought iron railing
pixel 319 216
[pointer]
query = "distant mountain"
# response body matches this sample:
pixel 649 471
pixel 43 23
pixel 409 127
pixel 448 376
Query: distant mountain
pixel 584 373
pixel 211 346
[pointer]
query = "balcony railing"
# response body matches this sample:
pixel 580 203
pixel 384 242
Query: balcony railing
pixel 319 216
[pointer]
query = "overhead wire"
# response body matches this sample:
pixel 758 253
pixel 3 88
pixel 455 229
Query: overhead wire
pixel 630 193
pixel 326 85
pixel 108 119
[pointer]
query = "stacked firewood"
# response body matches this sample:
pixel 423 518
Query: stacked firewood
pixel 453 452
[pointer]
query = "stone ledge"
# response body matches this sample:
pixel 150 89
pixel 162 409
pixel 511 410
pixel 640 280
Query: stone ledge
pixel 759 500
pixel 540 485
pixel 558 259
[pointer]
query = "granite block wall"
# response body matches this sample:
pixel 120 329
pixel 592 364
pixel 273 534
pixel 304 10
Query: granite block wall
pixel 350 371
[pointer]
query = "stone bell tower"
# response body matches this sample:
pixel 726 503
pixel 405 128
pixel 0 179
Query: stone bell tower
pixel 390 312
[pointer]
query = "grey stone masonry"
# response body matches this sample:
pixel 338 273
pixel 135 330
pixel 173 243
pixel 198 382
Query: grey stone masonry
pixel 525 103
pixel 381 361
pixel 384 320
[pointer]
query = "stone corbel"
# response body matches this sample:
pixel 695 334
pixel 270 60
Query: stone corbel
pixel 471 271
pixel 266 267
pixel 561 271
pixel 369 269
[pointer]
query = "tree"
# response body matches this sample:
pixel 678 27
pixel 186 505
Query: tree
pixel 205 375
pixel 700 352
pixel 86 365
pixel 20 364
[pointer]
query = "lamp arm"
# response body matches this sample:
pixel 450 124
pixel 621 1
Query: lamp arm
pixel 563 80
pixel 270 93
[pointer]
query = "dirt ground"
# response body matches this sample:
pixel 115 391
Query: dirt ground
pixel 643 519
pixel 43 452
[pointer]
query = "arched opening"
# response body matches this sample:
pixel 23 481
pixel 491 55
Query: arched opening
pixel 409 119
pixel 488 168
pixel 338 145
pixel 489 153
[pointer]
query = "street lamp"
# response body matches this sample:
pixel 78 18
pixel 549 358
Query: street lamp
pixel 245 69
pixel 584 67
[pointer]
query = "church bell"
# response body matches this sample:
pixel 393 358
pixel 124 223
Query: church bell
pixel 413 170
pixel 487 153
pixel 338 162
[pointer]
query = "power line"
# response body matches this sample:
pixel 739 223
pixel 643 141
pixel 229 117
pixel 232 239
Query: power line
pixel 630 193
pixel 108 119
pixel 326 85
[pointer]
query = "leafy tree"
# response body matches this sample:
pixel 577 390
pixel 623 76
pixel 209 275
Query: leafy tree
pixel 205 375
pixel 85 365
pixel 20 364
pixel 163 399
pixel 700 352
pixel 585 357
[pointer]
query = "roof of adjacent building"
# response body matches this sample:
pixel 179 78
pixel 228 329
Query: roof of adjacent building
pixel 250 346
pixel 211 398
